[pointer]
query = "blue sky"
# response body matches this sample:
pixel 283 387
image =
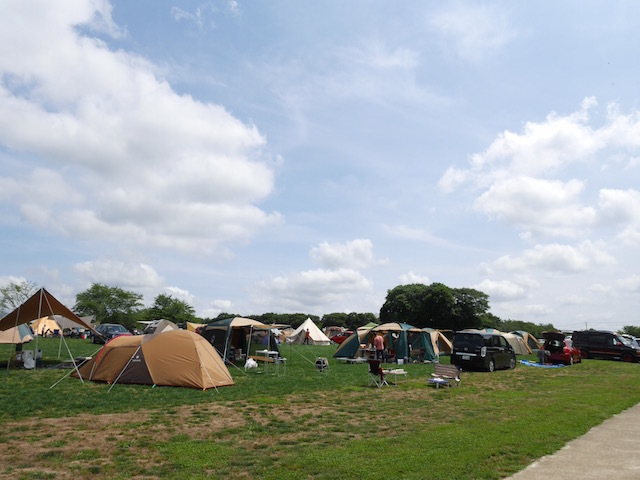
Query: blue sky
pixel 296 156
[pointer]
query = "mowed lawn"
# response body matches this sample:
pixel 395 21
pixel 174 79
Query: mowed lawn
pixel 305 425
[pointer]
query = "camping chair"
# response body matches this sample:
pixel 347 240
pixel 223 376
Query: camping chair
pixel 238 356
pixel 376 374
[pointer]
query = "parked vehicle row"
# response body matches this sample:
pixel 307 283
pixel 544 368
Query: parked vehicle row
pixel 606 345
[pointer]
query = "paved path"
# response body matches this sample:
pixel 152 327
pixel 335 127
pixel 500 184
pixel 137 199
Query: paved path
pixel 609 451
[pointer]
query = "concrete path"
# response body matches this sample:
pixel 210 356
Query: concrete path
pixel 609 451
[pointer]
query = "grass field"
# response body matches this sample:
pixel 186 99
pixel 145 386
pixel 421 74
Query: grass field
pixel 306 424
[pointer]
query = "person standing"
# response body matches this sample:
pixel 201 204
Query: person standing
pixel 306 338
pixel 378 343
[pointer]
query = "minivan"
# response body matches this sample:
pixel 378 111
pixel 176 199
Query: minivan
pixel 604 344
pixel 478 349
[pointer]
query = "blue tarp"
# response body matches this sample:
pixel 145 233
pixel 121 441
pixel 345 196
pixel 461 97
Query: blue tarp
pixel 529 363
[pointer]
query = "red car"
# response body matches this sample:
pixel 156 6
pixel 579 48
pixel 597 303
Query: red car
pixel 341 337
pixel 561 349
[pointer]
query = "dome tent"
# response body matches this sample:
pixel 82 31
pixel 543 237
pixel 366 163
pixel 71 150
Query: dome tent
pixel 176 358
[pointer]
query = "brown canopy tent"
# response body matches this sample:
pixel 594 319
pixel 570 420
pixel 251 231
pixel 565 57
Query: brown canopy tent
pixel 40 304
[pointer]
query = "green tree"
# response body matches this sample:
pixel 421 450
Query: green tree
pixel 435 306
pixel 439 307
pixel 14 294
pixel 406 304
pixel 109 305
pixel 470 307
pixel 631 330
pixel 170 308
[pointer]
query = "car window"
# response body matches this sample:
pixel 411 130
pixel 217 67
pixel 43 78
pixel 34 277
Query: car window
pixel 467 340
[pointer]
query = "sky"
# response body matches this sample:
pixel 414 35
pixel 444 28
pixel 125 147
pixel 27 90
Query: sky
pixel 296 156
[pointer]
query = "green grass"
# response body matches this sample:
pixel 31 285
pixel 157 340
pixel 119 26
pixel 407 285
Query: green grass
pixel 306 424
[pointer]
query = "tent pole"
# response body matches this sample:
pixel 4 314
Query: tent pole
pixel 35 354
pixel 123 369
pixel 16 329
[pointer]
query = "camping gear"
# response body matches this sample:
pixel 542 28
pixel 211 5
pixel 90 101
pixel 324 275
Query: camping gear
pixel 322 364
pixel 176 358
pixel 376 374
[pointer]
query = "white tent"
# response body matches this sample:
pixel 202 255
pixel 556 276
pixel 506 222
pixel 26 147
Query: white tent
pixel 316 337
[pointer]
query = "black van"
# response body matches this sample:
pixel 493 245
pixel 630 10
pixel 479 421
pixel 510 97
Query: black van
pixel 603 344
pixel 475 348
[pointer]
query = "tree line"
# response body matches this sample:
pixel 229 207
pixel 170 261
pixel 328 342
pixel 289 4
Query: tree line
pixel 434 306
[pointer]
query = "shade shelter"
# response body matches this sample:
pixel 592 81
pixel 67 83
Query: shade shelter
pixel 397 337
pixel 41 304
pixel 175 358
pixel 231 337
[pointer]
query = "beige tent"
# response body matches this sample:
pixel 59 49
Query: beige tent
pixel 517 342
pixel 441 344
pixel 192 327
pixel 176 358
pixel 45 326
pixel 531 341
pixel 16 335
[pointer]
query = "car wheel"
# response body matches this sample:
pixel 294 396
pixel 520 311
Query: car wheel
pixel 491 365
pixel 627 358
pixel 512 363
pixel 585 354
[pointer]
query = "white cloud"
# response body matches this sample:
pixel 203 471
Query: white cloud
pixel 149 165
pixel 180 294
pixel 619 206
pixel 529 179
pixel 500 290
pixel 135 275
pixel 558 258
pixel 631 283
pixel 539 206
pixel 411 277
pixel 318 290
pixel 473 31
pixel 355 254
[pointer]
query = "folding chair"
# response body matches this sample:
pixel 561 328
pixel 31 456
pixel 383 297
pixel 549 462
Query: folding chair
pixel 376 374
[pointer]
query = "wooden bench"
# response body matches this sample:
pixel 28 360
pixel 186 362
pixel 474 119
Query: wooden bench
pixel 445 375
